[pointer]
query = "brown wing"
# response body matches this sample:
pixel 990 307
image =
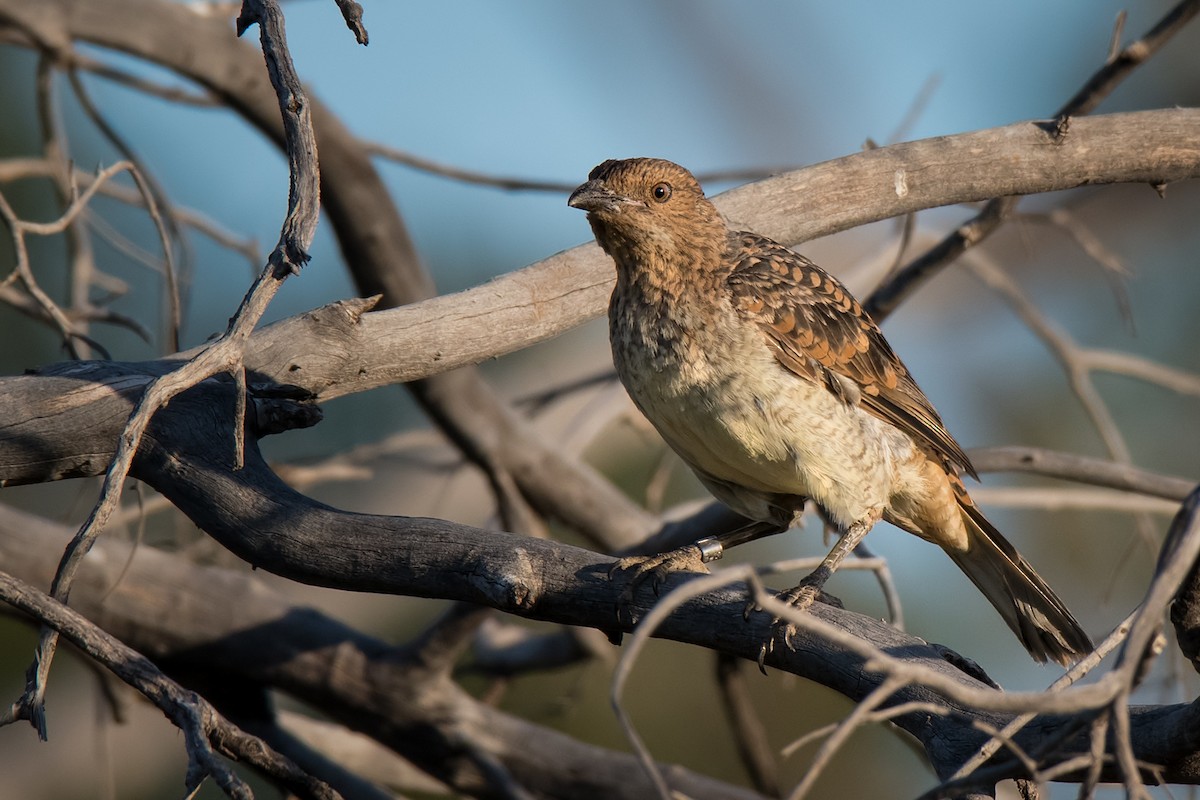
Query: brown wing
pixel 818 331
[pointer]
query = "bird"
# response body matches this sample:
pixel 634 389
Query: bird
pixel 769 380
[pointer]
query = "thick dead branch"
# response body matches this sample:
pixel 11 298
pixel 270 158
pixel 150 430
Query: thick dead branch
pixel 1185 610
pixel 554 295
pixel 204 729
pixel 277 529
pixel 226 625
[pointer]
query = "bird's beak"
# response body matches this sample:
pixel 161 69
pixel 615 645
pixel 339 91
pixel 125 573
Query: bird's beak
pixel 595 196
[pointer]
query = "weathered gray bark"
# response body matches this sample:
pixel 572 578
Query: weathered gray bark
pixel 255 515
pixel 64 421
pixel 543 300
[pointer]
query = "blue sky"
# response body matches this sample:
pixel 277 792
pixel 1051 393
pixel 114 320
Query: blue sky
pixel 547 89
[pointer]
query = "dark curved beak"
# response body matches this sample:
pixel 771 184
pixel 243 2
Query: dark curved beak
pixel 595 196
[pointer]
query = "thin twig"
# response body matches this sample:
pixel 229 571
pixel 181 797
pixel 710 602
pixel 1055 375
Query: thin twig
pixel 633 648
pixel 352 12
pixel 1098 737
pixel 862 711
pixel 1081 469
pixel 1134 636
pixel 55 149
pixel 205 731
pixel 1060 499
pixel 1076 673
pixel 223 355
pixel 886 298
pixel 864 559
pixel 31 308
pixel 465 175
pixel 304 179
pixel 518 184
pixel 20 228
pixel 172 94
pixel 1114 268
pixel 1067 352
pixel 19 168
pixel 154 198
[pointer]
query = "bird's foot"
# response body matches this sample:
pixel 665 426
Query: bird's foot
pixel 799 597
pixel 655 569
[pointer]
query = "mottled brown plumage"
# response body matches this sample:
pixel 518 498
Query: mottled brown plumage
pixel 765 375
pixel 820 332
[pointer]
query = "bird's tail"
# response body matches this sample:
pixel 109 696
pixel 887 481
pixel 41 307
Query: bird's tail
pixel 1029 606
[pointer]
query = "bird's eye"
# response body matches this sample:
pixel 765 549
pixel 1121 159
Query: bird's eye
pixel 662 192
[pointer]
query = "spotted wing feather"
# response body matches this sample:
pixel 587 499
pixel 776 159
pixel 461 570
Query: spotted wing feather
pixel 818 331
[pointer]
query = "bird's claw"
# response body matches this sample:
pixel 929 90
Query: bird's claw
pixel 799 598
pixel 653 569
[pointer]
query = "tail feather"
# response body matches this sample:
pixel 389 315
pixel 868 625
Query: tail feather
pixel 1030 607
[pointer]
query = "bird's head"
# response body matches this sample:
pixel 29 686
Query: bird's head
pixel 643 206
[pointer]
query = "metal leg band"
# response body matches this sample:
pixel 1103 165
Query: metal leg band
pixel 710 549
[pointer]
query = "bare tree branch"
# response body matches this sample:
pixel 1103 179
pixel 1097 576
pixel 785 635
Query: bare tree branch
pixel 276 529
pixel 1082 469
pixel 300 144
pixel 226 624
pixel 203 728
pixel 19 229
pixel 19 168
pixel 998 208
pixel 750 734
pixel 543 300
pixel 352 12
pixel 154 199
pixel 224 355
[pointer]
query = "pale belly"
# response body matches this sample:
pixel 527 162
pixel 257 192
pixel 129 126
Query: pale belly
pixel 750 429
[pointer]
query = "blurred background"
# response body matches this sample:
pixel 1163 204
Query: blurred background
pixel 545 90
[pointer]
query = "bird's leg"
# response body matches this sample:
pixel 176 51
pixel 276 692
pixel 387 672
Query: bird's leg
pixel 692 557
pixel 809 589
